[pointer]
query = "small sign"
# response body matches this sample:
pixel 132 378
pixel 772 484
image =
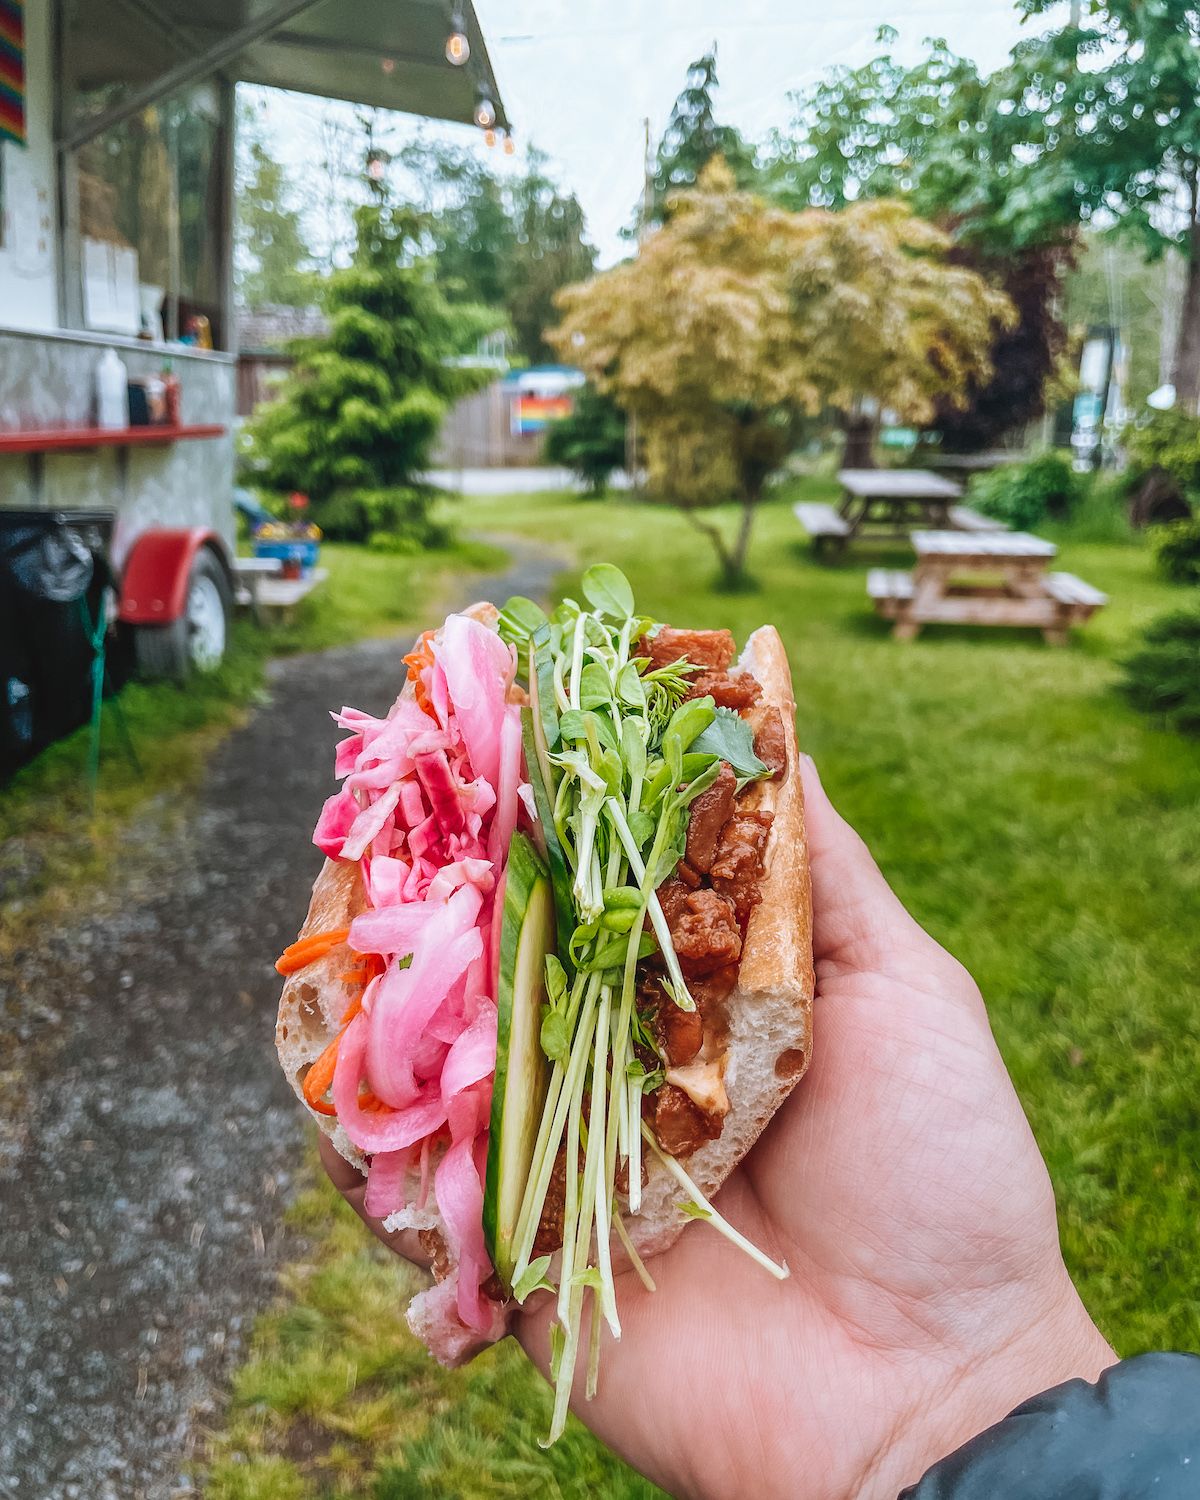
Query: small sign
pixel 529 413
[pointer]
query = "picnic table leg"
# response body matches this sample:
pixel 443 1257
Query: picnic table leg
pixel 1057 635
pixel 906 628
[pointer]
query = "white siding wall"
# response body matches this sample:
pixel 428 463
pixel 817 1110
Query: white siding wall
pixel 28 285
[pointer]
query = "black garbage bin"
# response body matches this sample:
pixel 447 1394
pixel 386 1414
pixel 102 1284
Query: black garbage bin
pixel 50 561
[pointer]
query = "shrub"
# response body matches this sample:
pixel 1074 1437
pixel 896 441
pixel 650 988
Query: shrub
pixel 355 515
pixel 591 441
pixel 1168 440
pixel 1163 677
pixel 1100 513
pixel 1023 495
pixel 1177 550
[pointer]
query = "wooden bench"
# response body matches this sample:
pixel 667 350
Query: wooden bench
pixel 822 522
pixel 281 595
pixel 982 578
pixel 963 518
pixel 889 590
pixel 250 573
pixel 1080 599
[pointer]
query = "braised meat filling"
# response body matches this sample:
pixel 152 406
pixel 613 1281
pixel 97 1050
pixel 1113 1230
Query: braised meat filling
pixel 707 901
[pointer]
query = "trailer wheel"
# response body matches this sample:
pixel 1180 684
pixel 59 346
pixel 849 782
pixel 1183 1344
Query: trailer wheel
pixel 195 642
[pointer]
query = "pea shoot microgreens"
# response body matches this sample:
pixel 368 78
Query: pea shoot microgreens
pixel 616 754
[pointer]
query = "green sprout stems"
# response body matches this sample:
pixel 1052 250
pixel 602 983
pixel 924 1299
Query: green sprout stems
pixel 621 751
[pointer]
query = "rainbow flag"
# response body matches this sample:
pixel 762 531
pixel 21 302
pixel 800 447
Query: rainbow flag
pixel 532 414
pixel 12 71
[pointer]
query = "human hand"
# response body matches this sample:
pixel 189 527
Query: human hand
pixel 903 1186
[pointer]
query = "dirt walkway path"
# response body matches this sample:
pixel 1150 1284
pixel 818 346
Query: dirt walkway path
pixel 142 1186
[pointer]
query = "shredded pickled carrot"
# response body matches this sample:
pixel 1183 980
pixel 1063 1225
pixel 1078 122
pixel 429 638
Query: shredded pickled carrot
pixel 307 950
pixel 420 657
pixel 319 1079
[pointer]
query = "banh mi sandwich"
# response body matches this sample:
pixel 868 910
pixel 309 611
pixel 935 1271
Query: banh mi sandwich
pixel 556 975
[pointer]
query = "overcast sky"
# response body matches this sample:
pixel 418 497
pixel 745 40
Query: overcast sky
pixel 578 77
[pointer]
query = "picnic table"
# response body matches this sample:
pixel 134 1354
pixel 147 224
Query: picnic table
pixel 888 503
pixel 265 593
pixel 981 578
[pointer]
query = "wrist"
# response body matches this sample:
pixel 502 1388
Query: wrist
pixel 982 1388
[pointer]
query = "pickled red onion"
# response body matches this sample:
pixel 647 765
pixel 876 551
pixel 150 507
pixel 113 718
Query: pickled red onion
pixel 430 799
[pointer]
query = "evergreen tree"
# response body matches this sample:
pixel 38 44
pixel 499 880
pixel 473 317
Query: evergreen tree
pixel 510 243
pixel 273 259
pixel 358 416
pixel 692 138
pixel 590 441
pixel 551 252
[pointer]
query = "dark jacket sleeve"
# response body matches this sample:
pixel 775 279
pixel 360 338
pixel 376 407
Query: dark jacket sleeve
pixel 1135 1433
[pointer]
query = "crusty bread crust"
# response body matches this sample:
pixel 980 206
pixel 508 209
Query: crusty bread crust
pixel 770 1012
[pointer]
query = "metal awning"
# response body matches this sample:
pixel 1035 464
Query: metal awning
pixel 388 53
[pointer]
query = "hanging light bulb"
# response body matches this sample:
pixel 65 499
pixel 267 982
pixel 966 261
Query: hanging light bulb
pixel 387 64
pixel 458 49
pixel 510 145
pixel 489 138
pixel 376 165
pixel 485 113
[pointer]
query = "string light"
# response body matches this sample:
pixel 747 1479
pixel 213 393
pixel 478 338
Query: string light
pixel 489 138
pixel 485 113
pixel 388 64
pixel 458 48
pixel 510 145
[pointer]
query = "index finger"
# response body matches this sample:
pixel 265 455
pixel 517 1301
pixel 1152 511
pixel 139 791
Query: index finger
pixel 352 1185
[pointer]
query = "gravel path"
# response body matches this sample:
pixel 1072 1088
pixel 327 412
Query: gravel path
pixel 155 1144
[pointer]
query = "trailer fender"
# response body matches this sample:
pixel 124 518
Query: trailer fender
pixel 155 580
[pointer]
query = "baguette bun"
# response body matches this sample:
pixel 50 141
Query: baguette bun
pixel 770 1011
pixel 770 1018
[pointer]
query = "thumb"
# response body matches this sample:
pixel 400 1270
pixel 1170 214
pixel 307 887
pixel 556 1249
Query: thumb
pixel 858 920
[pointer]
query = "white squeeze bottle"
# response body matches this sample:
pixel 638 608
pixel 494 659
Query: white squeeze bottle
pixel 112 391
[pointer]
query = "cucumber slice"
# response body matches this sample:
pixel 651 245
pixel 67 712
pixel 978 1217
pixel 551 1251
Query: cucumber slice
pixel 560 875
pixel 522 1073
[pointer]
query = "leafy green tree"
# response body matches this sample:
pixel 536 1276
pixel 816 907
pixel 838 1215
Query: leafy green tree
pixel 692 138
pixel 273 260
pixel 508 242
pixel 590 441
pixel 926 133
pixel 737 316
pixel 358 416
pixel 1103 119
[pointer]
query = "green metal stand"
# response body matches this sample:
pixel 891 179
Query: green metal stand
pixel 97 635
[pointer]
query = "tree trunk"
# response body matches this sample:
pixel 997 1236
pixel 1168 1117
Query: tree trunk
pixel 859 449
pixel 741 544
pixel 1185 373
pixel 731 560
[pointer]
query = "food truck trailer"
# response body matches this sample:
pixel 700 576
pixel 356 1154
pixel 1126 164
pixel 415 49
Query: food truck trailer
pixel 116 236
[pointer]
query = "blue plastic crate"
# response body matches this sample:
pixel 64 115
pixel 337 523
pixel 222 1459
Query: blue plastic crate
pixel 303 552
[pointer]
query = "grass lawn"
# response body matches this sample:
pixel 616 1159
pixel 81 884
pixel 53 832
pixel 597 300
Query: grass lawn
pixel 51 849
pixel 1037 826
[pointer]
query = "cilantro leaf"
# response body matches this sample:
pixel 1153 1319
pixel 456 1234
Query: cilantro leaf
pixel 730 738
